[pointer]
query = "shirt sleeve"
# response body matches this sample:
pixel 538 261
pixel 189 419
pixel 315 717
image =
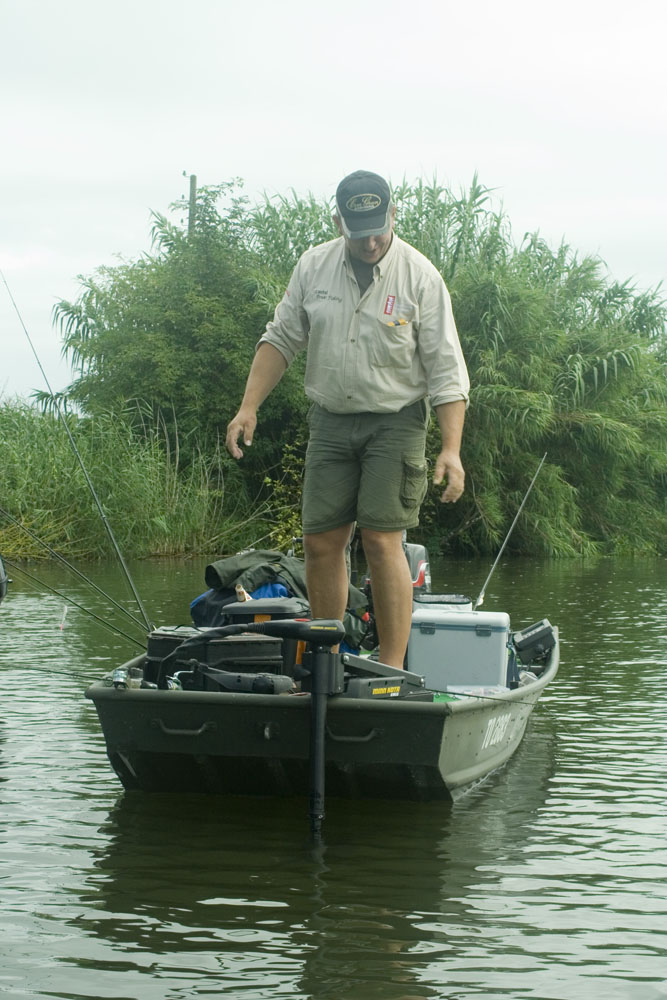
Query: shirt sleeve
pixel 438 345
pixel 288 330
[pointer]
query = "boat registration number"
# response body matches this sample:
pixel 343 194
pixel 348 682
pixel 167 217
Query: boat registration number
pixel 495 730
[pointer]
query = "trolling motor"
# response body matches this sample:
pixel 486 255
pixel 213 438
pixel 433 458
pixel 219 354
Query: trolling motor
pixel 322 674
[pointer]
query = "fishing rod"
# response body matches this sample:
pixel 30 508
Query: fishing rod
pixel 507 536
pixel 72 442
pixel 69 566
pixel 47 670
pixel 70 600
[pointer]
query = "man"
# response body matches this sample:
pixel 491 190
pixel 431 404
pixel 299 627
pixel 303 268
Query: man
pixel 376 320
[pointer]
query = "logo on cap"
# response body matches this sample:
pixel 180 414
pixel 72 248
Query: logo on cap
pixel 363 202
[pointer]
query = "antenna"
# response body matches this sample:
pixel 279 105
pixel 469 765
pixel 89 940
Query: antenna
pixel 502 547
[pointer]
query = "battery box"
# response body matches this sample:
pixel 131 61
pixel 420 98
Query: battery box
pixel 240 652
pixel 452 648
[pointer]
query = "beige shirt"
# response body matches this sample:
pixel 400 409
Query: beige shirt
pixel 376 352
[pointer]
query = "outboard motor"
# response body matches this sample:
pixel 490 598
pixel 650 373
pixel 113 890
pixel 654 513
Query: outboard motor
pixel 420 571
pixel 420 574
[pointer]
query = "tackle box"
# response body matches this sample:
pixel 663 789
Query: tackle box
pixel 451 648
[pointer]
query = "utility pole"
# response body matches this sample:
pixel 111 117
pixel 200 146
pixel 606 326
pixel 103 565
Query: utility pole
pixel 193 204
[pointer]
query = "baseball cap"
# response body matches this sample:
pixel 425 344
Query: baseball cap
pixel 363 200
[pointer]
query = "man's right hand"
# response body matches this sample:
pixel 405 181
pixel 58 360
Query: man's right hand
pixel 241 426
pixel 265 373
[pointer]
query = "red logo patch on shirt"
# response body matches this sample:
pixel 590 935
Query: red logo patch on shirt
pixel 389 305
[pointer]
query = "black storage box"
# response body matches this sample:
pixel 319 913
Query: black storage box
pixel 533 643
pixel 247 653
pixel 271 609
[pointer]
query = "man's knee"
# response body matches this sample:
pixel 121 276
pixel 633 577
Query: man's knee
pixel 324 544
pixel 381 544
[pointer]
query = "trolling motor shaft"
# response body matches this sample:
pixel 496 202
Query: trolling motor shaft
pixel 322 675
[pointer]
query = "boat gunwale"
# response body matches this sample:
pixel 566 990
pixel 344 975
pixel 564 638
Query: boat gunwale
pixel 528 693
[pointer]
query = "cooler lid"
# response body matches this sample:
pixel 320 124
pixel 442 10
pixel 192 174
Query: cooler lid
pixel 497 621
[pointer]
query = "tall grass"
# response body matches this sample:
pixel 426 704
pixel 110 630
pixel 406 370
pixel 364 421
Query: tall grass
pixel 155 503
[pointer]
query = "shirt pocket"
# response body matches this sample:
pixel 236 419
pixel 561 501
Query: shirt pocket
pixel 394 342
pixel 325 345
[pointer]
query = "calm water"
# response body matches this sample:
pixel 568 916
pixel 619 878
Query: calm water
pixel 548 881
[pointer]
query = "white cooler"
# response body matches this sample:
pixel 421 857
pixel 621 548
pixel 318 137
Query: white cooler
pixel 459 648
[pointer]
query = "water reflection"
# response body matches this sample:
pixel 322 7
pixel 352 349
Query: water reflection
pixel 549 881
pixel 234 889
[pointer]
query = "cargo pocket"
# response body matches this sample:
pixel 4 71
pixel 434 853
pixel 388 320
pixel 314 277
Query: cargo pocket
pixel 413 484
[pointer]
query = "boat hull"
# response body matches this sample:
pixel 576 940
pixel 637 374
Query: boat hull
pixel 251 744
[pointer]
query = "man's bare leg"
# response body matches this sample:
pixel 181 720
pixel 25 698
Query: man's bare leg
pixel 392 592
pixel 326 572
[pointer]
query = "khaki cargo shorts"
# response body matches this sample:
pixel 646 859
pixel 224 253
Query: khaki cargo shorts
pixel 365 467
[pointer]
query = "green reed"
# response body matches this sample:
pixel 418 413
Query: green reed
pixel 158 498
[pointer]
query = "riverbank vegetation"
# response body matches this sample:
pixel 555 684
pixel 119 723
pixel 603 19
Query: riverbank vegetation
pixel 562 359
pixel 156 503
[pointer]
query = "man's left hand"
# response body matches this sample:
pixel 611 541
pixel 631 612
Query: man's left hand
pixel 448 468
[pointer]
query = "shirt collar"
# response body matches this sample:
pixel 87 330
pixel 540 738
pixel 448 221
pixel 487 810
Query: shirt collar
pixel 381 265
pixel 385 261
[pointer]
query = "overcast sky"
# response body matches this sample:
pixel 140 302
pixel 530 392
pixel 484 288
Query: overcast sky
pixel 560 107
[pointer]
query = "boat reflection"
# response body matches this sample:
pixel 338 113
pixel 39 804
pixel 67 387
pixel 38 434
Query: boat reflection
pixel 230 891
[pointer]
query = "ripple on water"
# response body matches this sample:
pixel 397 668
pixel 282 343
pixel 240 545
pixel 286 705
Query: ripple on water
pixel 548 881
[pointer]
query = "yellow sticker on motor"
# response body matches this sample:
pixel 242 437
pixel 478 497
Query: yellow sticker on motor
pixel 386 690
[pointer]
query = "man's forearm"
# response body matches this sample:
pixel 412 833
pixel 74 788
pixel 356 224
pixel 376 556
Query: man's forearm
pixel 451 417
pixel 266 371
pixel 448 466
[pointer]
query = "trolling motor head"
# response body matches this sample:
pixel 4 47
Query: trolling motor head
pixel 319 632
